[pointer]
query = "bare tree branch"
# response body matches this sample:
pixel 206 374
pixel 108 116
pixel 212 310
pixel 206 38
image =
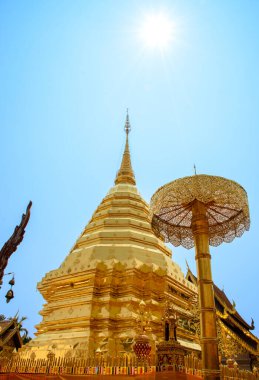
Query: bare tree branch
pixel 11 245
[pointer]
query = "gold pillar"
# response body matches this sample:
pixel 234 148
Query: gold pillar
pixel 209 341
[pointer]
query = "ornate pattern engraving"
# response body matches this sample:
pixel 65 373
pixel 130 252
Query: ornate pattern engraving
pixel 226 204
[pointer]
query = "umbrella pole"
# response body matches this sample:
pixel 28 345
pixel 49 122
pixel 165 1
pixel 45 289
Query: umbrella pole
pixel 208 339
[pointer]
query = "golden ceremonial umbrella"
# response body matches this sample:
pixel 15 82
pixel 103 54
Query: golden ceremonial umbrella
pixel 199 211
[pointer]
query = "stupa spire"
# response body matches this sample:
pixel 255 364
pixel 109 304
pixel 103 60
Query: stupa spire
pixel 125 173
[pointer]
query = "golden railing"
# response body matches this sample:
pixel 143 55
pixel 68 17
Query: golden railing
pixel 126 364
pixel 237 374
pixel 100 364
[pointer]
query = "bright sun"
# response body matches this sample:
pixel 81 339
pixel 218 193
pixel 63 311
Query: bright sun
pixel 156 31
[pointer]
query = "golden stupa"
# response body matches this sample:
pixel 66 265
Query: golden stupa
pixel 92 298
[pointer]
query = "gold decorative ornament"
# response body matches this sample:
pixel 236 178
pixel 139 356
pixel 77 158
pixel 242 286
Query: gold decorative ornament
pixel 142 347
pixel 194 318
pixel 170 321
pixel 125 173
pixel 229 347
pixel 226 209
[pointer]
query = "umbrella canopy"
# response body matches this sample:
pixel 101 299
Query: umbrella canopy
pixel 226 209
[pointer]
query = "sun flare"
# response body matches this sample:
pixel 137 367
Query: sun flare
pixel 156 31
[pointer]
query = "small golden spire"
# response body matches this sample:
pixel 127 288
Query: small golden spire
pixel 187 265
pixel 127 127
pixel 125 173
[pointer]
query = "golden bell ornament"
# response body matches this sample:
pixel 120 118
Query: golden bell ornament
pixel 9 295
pixel 12 282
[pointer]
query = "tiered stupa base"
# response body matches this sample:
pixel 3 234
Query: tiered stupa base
pixel 92 298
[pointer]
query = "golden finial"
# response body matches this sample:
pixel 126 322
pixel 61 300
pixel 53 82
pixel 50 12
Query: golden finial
pixel 127 127
pixel 125 173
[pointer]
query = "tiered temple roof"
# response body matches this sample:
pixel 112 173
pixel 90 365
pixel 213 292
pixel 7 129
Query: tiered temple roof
pixel 9 336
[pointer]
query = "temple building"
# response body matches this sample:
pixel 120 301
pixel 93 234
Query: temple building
pixel 10 337
pixel 93 298
pixel 234 333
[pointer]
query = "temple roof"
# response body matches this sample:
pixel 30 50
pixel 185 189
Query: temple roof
pixel 222 297
pixel 223 300
pixel 9 331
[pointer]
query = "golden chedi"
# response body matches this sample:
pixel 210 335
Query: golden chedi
pixel 92 298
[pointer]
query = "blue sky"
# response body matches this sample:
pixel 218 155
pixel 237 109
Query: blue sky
pixel 69 70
